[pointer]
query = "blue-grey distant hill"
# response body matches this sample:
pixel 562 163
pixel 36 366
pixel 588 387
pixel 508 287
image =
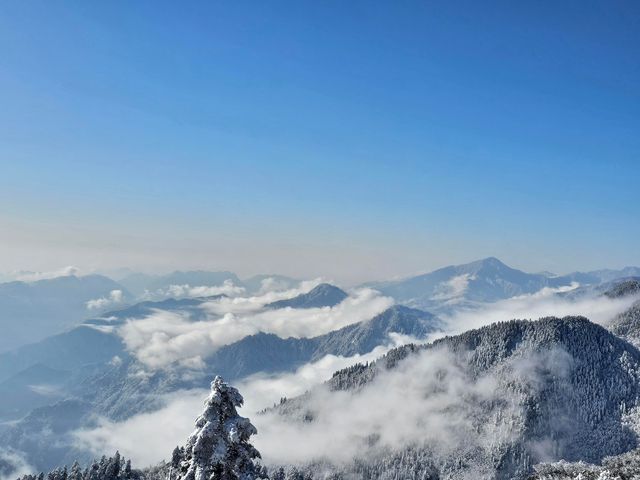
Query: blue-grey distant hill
pixel 30 311
pixel 89 349
pixel 324 295
pixel 93 342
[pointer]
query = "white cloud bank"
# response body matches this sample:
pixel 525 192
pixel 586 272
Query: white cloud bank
pixel 545 303
pixel 114 298
pixel 429 399
pixel 188 291
pixel 148 438
pixel 167 337
pixel 18 465
pixel 454 288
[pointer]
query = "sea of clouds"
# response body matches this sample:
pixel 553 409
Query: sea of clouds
pixel 409 403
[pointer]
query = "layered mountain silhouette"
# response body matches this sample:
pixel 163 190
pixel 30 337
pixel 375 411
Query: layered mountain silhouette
pixel 259 353
pixel 87 371
pixel 34 310
pixel 575 409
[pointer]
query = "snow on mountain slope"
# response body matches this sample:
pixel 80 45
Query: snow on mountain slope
pixel 486 280
pixel 488 403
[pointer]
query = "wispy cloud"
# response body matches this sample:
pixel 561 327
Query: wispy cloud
pixel 430 400
pixel 15 465
pixel 454 288
pixel 149 437
pixel 262 390
pixel 188 291
pixel 35 276
pixel 271 284
pixel 546 302
pixel 114 298
pixel 166 337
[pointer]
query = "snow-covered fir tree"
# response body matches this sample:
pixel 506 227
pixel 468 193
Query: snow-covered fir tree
pixel 619 467
pixel 219 447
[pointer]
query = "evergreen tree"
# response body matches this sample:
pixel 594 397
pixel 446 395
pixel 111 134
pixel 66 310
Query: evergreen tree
pixel 177 457
pixel 76 472
pixel 127 470
pixel 219 448
pixel 112 468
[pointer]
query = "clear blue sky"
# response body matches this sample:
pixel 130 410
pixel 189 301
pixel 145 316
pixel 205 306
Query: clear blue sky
pixel 349 139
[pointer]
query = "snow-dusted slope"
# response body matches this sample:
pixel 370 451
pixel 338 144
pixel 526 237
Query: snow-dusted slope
pixel 486 280
pixel 560 388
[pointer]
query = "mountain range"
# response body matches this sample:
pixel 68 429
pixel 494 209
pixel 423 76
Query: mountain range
pixel 88 376
pixel 482 281
pixel 80 366
pixel 30 311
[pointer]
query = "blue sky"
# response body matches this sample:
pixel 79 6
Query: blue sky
pixel 348 139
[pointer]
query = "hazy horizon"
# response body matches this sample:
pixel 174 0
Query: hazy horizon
pixel 121 272
pixel 355 141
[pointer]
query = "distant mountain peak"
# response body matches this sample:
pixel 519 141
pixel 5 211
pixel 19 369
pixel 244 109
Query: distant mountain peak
pixel 481 281
pixel 323 295
pixel 489 263
pixel 493 261
pixel 324 288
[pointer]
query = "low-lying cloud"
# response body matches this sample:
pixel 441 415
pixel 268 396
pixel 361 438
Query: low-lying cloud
pixel 13 465
pixel 148 438
pixel 599 309
pixel 429 401
pixel 166 337
pixel 453 289
pixel 273 284
pixel 188 291
pixel 35 276
pixel 262 390
pixel 114 298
